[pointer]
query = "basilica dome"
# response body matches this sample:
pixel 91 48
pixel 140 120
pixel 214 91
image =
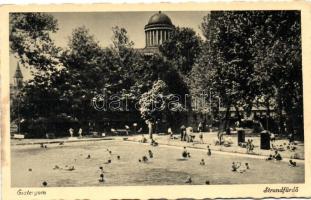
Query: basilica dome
pixel 157 29
pixel 160 18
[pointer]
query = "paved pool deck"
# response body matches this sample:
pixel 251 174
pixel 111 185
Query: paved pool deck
pixel 209 138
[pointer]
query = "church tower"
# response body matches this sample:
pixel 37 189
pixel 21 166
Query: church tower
pixel 18 77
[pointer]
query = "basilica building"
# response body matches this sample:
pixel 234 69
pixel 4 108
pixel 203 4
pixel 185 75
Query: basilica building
pixel 157 31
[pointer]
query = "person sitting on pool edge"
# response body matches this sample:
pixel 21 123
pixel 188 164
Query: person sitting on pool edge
pixel 154 143
pixel 277 156
pixel 201 137
pixel 270 157
pixel 143 139
pixel 292 163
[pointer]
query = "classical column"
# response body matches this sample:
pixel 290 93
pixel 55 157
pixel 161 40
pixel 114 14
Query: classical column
pixel 163 36
pixel 148 34
pixel 158 37
pixel 151 38
pixel 154 38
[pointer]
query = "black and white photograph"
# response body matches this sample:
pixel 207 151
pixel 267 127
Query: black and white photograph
pixel 156 98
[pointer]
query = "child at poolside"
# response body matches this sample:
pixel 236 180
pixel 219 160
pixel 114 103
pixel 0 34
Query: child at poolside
pixel 143 139
pixel 277 156
pixel 249 146
pixel 201 138
pixel 80 132
pixel 153 142
pixel 170 132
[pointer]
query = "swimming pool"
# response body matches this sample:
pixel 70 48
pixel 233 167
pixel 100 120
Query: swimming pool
pixel 31 165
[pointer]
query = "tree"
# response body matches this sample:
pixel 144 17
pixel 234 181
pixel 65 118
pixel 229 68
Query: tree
pixel 90 71
pixel 253 54
pixel 278 42
pixel 182 48
pixel 30 40
pixel 227 54
pixel 157 103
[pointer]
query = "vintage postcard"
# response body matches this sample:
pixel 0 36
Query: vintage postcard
pixel 150 101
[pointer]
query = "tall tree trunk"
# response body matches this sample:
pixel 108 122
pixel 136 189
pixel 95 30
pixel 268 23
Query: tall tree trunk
pixel 150 129
pixel 280 112
pixel 237 112
pixel 226 126
pixel 248 108
pixel 267 103
pixel 289 115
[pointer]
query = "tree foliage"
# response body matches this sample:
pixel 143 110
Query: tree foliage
pixel 158 101
pixel 30 40
pixel 182 48
pixel 252 55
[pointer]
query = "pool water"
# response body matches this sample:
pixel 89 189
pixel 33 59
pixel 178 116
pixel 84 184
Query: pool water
pixel 165 168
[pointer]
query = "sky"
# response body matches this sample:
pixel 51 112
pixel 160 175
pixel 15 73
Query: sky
pixel 100 25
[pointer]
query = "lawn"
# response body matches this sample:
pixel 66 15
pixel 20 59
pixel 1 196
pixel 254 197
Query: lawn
pixel 31 165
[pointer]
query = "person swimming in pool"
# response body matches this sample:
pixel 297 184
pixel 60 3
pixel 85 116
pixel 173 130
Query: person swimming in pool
pixel 209 152
pixel 145 159
pixel 150 153
pixel 235 166
pixel 185 153
pixel 292 163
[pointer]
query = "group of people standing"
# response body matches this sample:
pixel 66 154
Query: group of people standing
pixel 71 132
pixel 186 133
